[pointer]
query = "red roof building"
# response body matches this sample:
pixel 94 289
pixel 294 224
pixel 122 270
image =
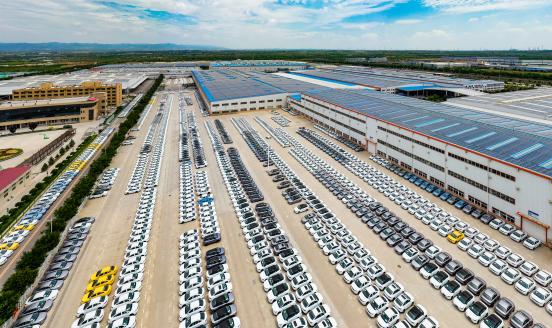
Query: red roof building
pixel 12 175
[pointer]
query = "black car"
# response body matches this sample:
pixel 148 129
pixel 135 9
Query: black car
pixel 504 308
pixel 476 285
pixel 279 248
pixel 394 239
pixel 464 276
pixel 415 238
pixel 386 233
pixel 36 307
pixel 215 260
pixel 223 313
pixel 279 240
pixel 402 246
pixel 407 231
pixel 221 301
pixel 489 296
pixel 442 258
pixel 486 218
pixel 212 238
pixel 521 319
pixel 393 221
pixel 400 226
pixel 424 244
pixel 419 261
pixel 373 222
pixel 216 269
pixel 379 227
pixel 452 267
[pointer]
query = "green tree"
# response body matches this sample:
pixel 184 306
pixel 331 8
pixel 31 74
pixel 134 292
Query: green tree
pixel 44 167
pixel 51 161
pixel 71 143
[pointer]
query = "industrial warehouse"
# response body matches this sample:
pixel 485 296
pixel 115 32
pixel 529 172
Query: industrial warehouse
pixel 499 165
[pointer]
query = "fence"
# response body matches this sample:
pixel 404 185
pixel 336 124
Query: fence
pixel 49 148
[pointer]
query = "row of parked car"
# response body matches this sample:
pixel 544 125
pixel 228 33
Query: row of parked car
pixel 125 303
pixel 416 249
pixel 135 182
pixel 385 299
pixel 197 147
pixel 40 302
pixel 192 296
pixel 11 241
pixel 499 259
pixel 224 136
pixel 184 149
pixel 187 200
pixel 210 229
pixel 277 133
pixel 223 302
pixel 354 146
pixel 105 183
pixel 280 120
pixel 506 229
pixel 277 262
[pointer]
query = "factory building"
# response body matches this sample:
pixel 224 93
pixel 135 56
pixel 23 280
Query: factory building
pixel 32 113
pixel 499 165
pixel 114 92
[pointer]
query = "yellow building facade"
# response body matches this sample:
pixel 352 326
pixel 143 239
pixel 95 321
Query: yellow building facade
pixel 114 92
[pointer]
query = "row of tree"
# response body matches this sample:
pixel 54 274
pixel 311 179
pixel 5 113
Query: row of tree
pixel 62 152
pixel 29 264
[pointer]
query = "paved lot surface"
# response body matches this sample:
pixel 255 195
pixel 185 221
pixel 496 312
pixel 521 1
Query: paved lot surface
pixel 159 296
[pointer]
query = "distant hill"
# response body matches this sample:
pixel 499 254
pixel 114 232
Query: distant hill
pixel 99 47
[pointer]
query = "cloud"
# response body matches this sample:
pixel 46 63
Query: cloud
pixel 472 6
pixel 408 21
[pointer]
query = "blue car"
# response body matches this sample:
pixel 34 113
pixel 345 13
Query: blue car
pixel 430 188
pixel 418 181
pixel 444 196
pixel 424 184
pixel 437 192
pixel 460 204
pixel 413 178
pixel 407 175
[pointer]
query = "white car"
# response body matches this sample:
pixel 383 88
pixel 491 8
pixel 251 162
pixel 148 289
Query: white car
pixel 528 268
pixel 430 322
pixel 439 279
pixel 432 251
pixel 318 314
pixel 465 243
pixel 198 319
pixel 290 316
pixel 491 245
pixel 403 301
pixel 445 230
pixel 476 312
pixel 409 254
pixel 486 258
pixel 525 285
pixel 498 267
pixel 300 280
pixel 359 284
pixel 305 290
pixel 191 295
pixel 531 243
pixel 282 303
pixel 88 319
pixel 540 296
pixel 510 276
pixel 220 289
pixel 48 294
pixel 124 310
pixel 311 301
pixel 515 260
pixel 368 294
pixel 191 308
pixel 543 278
pixel 93 304
pixel 463 300
pixel 475 250
pixel 377 306
pixel 350 275
pixel 416 314
pixel 388 318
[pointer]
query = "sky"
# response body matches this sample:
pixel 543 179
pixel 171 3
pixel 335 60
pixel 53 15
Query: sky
pixel 293 24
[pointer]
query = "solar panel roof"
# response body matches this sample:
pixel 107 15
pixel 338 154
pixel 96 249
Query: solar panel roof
pixel 519 142
pixel 229 84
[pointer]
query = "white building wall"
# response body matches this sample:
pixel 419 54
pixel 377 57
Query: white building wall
pixel 251 103
pixel 532 193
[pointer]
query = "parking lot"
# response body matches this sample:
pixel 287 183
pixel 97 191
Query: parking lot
pixel 300 263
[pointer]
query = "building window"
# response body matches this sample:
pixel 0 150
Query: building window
pixel 420 173
pixel 455 191
pixel 406 166
pixel 504 215
pixel 477 202
pixel 437 182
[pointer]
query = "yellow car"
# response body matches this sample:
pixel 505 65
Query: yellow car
pixel 455 236
pixel 9 246
pixel 101 281
pixel 105 271
pixel 24 227
pixel 100 291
